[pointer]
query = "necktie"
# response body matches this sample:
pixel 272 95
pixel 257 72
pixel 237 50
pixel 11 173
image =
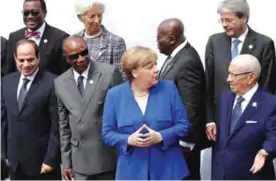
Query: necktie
pixel 165 65
pixel 235 50
pixel 80 84
pixel 29 34
pixel 236 114
pixel 22 93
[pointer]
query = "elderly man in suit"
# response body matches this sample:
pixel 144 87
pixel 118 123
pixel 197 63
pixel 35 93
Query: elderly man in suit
pixel 48 38
pixel 29 118
pixel 81 93
pixel 238 38
pixel 184 67
pixel 103 46
pixel 246 138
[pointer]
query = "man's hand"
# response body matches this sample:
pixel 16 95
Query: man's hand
pixel 68 174
pixel 152 137
pixel 259 161
pixel 135 139
pixel 46 169
pixel 211 131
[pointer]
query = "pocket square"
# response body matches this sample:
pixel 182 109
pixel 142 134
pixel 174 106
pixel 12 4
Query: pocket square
pixel 250 122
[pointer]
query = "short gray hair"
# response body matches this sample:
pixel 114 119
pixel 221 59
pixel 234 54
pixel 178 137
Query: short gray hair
pixel 240 7
pixel 249 63
pixel 83 6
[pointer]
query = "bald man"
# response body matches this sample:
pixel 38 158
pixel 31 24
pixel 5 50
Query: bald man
pixel 246 136
pixel 81 92
pixel 184 67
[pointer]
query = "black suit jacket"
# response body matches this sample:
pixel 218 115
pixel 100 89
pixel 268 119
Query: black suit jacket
pixel 186 70
pixel 218 58
pixel 50 46
pixel 4 43
pixel 30 136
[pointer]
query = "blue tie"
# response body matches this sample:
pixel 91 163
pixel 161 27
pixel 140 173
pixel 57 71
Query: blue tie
pixel 236 114
pixel 80 84
pixel 235 50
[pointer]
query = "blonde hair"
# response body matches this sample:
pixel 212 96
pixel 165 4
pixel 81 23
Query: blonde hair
pixel 136 57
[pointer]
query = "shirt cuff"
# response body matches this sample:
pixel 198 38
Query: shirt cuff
pixel 210 124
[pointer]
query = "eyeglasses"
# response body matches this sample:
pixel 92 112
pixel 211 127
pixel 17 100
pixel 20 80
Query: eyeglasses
pixel 75 56
pixel 236 76
pixel 32 12
pixel 226 20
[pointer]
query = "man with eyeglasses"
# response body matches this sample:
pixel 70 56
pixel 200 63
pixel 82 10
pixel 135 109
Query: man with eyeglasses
pixel 29 119
pixel 237 38
pixel 48 38
pixel 81 92
pixel 246 135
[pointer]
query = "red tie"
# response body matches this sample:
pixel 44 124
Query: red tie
pixel 29 34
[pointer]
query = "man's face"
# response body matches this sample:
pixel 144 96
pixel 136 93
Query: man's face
pixel 33 15
pixel 76 53
pixel 232 24
pixel 239 79
pixel 164 40
pixel 26 60
pixel 93 19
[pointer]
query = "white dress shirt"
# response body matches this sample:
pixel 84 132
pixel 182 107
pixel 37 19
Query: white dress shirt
pixel 241 38
pixel 20 84
pixel 84 74
pixel 41 30
pixel 247 97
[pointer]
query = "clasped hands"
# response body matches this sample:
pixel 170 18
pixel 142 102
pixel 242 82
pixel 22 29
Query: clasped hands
pixel 144 140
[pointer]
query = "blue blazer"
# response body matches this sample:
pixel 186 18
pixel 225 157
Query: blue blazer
pixel 256 129
pixel 165 113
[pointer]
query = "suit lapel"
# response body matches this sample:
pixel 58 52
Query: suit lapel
pixel 32 89
pixel 249 111
pixel 249 43
pixel 229 101
pixel 14 87
pixel 44 43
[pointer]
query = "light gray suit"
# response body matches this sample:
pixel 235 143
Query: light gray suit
pixel 80 120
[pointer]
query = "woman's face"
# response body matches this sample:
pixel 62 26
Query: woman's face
pixel 93 19
pixel 147 74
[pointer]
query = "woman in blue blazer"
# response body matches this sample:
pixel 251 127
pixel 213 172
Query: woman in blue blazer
pixel 144 119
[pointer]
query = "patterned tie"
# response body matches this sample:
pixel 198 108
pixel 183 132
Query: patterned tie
pixel 235 50
pixel 29 34
pixel 22 93
pixel 80 84
pixel 236 113
pixel 165 65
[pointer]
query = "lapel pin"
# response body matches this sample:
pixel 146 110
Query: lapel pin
pixel 45 41
pixel 91 81
pixel 254 104
pixel 250 46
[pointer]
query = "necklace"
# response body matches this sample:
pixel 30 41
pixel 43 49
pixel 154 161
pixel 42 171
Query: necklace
pixel 139 95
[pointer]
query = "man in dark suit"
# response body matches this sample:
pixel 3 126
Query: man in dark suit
pixel 30 135
pixel 238 38
pixel 246 138
pixel 4 43
pixel 185 68
pixel 48 38
pixel 81 92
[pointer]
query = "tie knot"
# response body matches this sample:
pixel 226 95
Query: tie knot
pixel 80 78
pixel 236 42
pixel 240 99
pixel 25 82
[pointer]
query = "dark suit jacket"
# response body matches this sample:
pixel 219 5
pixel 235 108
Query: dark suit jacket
pixel 218 58
pixel 4 43
pixel 50 46
pixel 30 136
pixel 80 119
pixel 186 70
pixel 256 129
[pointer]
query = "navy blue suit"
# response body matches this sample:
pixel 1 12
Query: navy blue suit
pixel 164 113
pixel 256 129
pixel 30 136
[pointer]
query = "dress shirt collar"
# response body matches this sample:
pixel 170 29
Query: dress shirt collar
pixel 177 49
pixel 241 37
pixel 249 94
pixel 84 73
pixel 30 77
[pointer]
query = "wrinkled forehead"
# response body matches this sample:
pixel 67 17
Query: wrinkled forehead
pixel 236 68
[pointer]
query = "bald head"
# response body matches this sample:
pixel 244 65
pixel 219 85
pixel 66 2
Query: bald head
pixel 247 63
pixel 73 41
pixel 173 26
